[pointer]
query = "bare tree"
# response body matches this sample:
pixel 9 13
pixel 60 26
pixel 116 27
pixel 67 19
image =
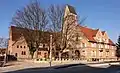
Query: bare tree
pixel 34 20
pixel 64 27
pixel 68 31
pixel 3 43
pixel 56 13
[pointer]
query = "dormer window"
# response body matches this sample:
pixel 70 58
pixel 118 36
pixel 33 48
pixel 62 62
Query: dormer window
pixel 79 38
pixel 93 44
pixel 106 41
pixel 83 45
pixel 103 40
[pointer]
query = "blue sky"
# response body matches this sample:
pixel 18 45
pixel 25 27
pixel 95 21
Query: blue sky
pixel 102 14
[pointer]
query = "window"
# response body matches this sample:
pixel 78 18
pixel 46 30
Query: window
pixel 24 46
pixel 39 53
pixel 43 45
pixel 93 53
pixel 100 39
pixel 20 46
pixel 106 46
pixel 23 53
pixel 103 40
pixel 84 45
pixel 100 53
pixel 101 46
pixel 107 53
pixel 79 38
pixel 93 44
pixel 17 46
pixel 112 47
pixel 45 55
pixel 113 54
pixel 106 40
pixel 83 51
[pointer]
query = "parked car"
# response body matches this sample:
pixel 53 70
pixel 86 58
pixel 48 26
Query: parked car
pixel 2 61
pixel 11 58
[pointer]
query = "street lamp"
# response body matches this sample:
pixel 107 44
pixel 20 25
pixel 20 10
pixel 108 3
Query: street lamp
pixel 50 56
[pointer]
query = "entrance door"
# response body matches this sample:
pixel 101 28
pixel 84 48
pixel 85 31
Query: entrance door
pixel 77 54
pixel 16 55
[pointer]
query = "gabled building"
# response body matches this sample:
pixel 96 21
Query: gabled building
pixel 18 45
pixel 90 44
pixel 94 44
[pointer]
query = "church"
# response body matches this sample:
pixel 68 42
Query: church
pixel 90 44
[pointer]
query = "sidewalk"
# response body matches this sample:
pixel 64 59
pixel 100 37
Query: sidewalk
pixel 19 65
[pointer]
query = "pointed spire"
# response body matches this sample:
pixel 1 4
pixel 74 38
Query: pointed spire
pixel 71 9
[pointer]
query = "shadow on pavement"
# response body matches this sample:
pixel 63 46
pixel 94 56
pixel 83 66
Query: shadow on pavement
pixel 71 68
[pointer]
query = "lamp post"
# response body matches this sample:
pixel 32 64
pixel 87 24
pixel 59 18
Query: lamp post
pixel 50 56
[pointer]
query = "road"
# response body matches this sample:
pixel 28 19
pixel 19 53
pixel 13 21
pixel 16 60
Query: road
pixel 73 69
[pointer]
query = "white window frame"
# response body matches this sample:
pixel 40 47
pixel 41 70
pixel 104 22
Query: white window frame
pixel 107 53
pixel 101 46
pixel 113 54
pixel 105 46
pixel 100 54
pixel 85 45
pixel 108 46
pixel 93 54
pixel 92 45
pixel 112 47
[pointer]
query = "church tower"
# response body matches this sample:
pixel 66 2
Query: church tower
pixel 70 18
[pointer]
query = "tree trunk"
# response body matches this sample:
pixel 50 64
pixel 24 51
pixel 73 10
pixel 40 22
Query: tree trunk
pixel 70 54
pixel 60 57
pixel 32 54
pixel 36 53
